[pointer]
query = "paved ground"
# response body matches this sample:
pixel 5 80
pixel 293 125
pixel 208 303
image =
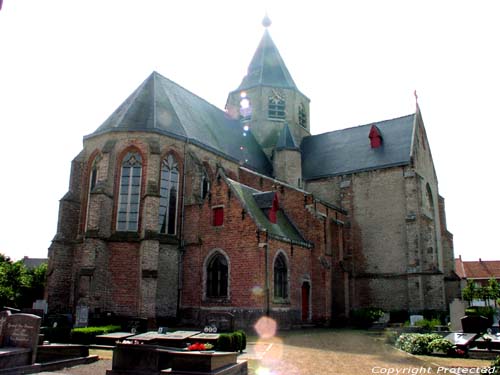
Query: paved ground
pixel 325 352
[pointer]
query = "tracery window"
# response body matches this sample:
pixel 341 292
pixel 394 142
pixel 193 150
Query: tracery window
pixel 217 276
pixel 169 188
pixel 276 107
pixel 302 116
pixel 280 277
pixel 130 193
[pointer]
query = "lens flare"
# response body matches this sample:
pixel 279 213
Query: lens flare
pixel 266 327
pixel 246 128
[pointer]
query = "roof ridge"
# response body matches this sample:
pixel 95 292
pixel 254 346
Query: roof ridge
pixel 360 126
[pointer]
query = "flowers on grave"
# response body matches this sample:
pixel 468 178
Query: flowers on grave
pixel 199 346
pixel 134 342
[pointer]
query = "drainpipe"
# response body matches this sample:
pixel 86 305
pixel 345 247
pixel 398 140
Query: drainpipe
pixel 266 261
pixel 181 233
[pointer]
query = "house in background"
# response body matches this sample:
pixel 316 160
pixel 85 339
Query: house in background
pixel 480 271
pixel 31 263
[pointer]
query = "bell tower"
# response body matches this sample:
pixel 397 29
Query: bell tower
pixel 268 98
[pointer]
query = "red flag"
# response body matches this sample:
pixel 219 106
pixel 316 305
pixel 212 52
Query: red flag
pixel 274 209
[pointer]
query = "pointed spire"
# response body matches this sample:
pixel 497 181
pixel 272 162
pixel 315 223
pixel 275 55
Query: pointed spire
pixel 267 68
pixel 286 140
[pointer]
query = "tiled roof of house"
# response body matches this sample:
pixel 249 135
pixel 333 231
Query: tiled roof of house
pixel 482 269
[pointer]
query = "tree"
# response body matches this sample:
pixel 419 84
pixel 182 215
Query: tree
pixel 493 290
pixel 19 286
pixel 469 293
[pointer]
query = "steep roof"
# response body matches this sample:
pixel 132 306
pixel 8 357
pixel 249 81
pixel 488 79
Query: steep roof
pixel 482 269
pixel 161 106
pixel 256 204
pixel 267 68
pixel 286 140
pixel 348 150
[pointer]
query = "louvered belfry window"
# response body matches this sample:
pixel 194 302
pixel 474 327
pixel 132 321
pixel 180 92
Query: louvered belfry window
pixel 169 188
pixel 130 193
pixel 276 108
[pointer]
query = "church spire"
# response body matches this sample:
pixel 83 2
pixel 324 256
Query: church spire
pixel 267 67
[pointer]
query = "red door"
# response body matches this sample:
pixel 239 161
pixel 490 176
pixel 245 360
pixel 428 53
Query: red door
pixel 305 302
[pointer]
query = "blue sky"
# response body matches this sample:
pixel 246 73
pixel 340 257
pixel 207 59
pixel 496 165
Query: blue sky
pixel 65 66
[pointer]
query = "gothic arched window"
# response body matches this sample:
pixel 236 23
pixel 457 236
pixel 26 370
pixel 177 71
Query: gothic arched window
pixel 92 181
pixel 217 276
pixel 280 277
pixel 130 193
pixel 169 188
pixel 302 115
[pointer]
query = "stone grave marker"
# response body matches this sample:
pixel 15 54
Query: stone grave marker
pixel 415 318
pixel 82 316
pixel 223 321
pixel 475 324
pixel 3 324
pixel 21 331
pixel 460 339
pixel 457 312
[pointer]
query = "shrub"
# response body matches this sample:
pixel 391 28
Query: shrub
pixel 416 343
pixel 232 342
pixel 428 325
pixel 364 317
pixel 87 335
pixel 441 345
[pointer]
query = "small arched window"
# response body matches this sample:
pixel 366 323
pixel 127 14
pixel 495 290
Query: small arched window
pixel 169 188
pixel 92 181
pixel 130 193
pixel 280 277
pixel 302 115
pixel 217 276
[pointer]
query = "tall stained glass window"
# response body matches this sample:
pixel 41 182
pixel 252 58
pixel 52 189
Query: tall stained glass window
pixel 130 193
pixel 169 193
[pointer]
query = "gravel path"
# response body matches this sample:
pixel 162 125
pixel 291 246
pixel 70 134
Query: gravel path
pixel 321 352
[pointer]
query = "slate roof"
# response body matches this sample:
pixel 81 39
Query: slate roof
pixel 161 106
pixel 482 269
pixel 31 263
pixel 348 151
pixel 256 203
pixel 286 140
pixel 267 68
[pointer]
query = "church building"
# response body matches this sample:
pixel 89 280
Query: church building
pixel 177 209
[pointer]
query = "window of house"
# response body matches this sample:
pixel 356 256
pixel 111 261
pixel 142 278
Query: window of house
pixel 302 115
pixel 169 188
pixel 130 193
pixel 280 277
pixel 218 216
pixel 217 276
pixel 276 107
pixel 205 184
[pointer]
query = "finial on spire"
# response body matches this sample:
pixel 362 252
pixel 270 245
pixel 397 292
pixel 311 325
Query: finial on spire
pixel 266 22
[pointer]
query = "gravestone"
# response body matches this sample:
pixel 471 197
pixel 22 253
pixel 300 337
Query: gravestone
pixel 82 316
pixel 415 318
pixel 475 324
pixel 457 312
pixel 223 321
pixel 3 323
pixel 461 339
pixel 21 331
pixel 40 304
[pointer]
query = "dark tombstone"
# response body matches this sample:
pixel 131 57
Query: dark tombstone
pixel 21 332
pixel 474 324
pixel 3 324
pixel 223 321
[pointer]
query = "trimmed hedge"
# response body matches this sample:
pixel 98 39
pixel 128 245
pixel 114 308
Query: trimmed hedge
pixel 232 342
pixel 86 335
